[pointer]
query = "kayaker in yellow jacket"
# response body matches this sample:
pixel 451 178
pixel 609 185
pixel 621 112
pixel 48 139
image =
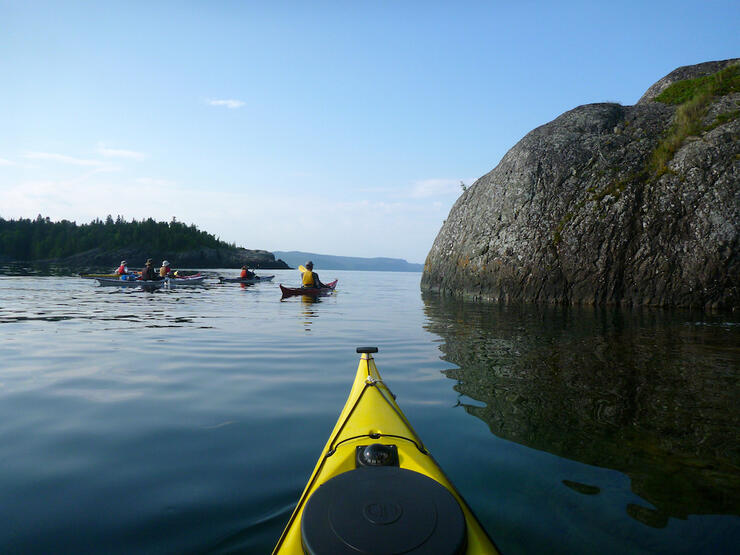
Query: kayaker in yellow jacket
pixel 310 278
pixel 165 269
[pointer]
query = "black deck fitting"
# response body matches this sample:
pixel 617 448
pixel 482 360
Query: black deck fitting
pixel 367 349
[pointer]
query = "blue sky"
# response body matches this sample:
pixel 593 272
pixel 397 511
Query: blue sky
pixel 333 127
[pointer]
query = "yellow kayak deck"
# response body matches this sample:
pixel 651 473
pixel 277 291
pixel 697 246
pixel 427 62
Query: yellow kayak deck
pixel 372 416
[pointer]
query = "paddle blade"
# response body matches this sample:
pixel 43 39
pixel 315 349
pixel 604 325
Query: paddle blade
pixel 301 268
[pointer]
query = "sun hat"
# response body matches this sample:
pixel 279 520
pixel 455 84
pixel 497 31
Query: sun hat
pixel 165 263
pixel 123 262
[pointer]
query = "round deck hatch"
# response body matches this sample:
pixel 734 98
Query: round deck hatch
pixel 383 510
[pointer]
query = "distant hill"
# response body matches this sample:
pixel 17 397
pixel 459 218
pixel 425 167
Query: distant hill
pixel 330 262
pixel 102 244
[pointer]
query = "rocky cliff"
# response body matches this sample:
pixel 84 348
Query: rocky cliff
pixel 606 204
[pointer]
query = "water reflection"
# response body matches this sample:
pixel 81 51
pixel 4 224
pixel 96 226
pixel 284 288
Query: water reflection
pixel 32 301
pixel 37 269
pixel 651 394
pixel 310 312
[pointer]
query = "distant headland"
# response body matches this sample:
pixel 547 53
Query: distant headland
pixel 104 243
pixel 330 262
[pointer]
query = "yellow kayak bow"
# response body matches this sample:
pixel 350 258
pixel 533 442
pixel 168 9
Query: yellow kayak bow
pixel 376 488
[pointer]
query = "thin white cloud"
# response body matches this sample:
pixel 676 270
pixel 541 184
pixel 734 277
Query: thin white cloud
pixel 107 168
pixel 62 158
pixel 4 162
pixel 229 103
pixel 120 153
pixel 153 181
pixel 423 189
pixel 377 190
pixel 435 187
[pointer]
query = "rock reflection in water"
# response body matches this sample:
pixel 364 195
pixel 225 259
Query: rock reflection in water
pixel 651 394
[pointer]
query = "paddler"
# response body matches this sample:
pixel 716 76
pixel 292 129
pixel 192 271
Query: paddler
pixel 310 278
pixel 165 269
pixel 122 271
pixel 246 274
pixel 147 273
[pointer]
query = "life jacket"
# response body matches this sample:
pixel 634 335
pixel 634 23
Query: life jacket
pixel 244 274
pixel 121 270
pixel 308 279
pixel 163 271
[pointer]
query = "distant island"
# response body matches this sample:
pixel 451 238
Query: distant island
pixel 103 244
pixel 331 262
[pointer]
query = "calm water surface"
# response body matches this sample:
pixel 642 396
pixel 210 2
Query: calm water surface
pixel 188 421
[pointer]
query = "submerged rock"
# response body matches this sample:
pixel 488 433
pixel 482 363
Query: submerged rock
pixel 609 204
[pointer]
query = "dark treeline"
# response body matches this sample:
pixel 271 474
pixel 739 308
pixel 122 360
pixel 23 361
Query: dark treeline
pixel 41 238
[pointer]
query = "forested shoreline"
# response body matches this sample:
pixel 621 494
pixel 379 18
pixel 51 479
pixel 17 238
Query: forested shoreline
pixel 43 239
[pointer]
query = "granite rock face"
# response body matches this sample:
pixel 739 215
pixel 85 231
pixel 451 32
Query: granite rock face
pixel 572 215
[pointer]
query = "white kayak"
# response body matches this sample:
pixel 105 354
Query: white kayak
pixel 113 282
pixel 196 279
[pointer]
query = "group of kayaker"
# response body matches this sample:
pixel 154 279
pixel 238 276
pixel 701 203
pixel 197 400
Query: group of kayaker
pixel 309 279
pixel 148 273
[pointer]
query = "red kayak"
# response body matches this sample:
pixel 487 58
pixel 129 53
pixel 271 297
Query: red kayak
pixel 310 291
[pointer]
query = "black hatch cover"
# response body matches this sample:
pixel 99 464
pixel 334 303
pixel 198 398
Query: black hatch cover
pixel 383 510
